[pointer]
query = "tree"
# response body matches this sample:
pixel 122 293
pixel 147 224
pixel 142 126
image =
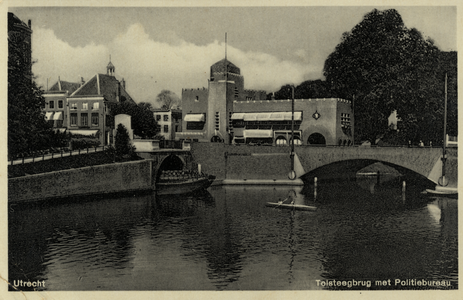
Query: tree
pixel 167 99
pixel 143 123
pixel 27 127
pixel 306 90
pixel 383 66
pixel 122 142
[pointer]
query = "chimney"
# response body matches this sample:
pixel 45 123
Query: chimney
pixel 59 83
pixel 123 83
pixel 82 81
pixel 30 24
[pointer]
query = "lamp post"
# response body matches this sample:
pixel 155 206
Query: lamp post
pixel 442 180
pixel 292 173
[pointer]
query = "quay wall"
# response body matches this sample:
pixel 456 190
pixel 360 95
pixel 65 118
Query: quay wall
pixel 101 179
pixel 243 162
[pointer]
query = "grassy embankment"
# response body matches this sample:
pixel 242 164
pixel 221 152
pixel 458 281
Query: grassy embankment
pixel 61 163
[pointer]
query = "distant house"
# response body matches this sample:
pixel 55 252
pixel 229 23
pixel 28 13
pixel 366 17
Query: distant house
pixel 56 103
pixel 169 122
pixel 81 108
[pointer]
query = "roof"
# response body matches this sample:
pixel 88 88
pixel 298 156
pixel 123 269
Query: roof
pixel 71 87
pixel 15 23
pixel 220 67
pixel 105 85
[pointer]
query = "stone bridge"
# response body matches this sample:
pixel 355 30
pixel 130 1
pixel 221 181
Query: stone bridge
pixel 424 161
pixel 271 165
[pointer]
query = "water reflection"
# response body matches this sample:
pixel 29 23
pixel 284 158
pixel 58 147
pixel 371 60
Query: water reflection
pixel 227 239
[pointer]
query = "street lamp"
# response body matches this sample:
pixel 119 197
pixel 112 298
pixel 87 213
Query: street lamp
pixel 292 173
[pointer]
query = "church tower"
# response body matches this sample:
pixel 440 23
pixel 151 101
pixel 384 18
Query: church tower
pixel 110 68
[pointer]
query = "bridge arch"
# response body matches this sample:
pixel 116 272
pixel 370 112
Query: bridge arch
pixel 424 161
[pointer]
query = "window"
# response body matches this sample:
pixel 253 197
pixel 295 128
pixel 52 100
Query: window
pixel 73 105
pixel 197 99
pixel 96 106
pixel 158 117
pixel 59 123
pixel 52 104
pixel 60 103
pixel 95 119
pixel 84 120
pixel 166 128
pixel 166 118
pixel 73 119
pixel 195 125
pixel 85 106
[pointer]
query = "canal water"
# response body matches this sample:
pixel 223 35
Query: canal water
pixel 364 235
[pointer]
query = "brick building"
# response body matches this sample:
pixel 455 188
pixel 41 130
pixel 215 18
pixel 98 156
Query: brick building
pixel 226 112
pixel 81 109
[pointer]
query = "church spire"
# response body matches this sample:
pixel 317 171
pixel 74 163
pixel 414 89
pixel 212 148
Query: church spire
pixel 110 69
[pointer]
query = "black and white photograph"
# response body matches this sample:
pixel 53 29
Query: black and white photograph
pixel 203 150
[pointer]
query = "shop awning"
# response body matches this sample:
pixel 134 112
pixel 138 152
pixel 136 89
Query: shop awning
pixel 237 116
pixel 48 115
pixel 267 116
pixel 58 115
pixel 84 132
pixel 257 133
pixel 297 116
pixel 250 117
pixel 263 116
pixel 194 118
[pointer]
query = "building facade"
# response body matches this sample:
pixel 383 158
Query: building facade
pixel 169 122
pixel 80 109
pixel 56 103
pixel 226 112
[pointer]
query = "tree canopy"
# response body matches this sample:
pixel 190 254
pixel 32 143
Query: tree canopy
pixel 306 90
pixel 167 99
pixel 143 123
pixel 384 66
pixel 27 128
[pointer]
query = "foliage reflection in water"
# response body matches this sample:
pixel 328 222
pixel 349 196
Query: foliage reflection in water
pixel 227 239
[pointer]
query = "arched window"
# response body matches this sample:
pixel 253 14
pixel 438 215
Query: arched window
pixel 316 139
pixel 280 141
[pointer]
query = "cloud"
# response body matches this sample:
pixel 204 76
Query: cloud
pixel 149 66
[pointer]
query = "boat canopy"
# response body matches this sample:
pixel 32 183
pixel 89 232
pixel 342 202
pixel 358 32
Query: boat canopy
pixel 194 118
pixel 267 116
pixel 258 133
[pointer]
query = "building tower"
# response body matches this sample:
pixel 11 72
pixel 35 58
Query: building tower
pixel 110 68
pixel 226 84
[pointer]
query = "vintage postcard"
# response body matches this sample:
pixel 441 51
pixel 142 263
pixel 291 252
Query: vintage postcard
pixel 201 150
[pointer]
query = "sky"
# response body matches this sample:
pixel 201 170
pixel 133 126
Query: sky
pixel 170 48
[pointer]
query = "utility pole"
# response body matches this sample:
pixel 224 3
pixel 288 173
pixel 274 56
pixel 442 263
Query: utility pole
pixel 292 173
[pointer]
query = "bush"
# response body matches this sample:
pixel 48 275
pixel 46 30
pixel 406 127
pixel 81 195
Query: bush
pixel 84 143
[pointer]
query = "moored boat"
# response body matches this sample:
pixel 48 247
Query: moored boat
pixel 174 182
